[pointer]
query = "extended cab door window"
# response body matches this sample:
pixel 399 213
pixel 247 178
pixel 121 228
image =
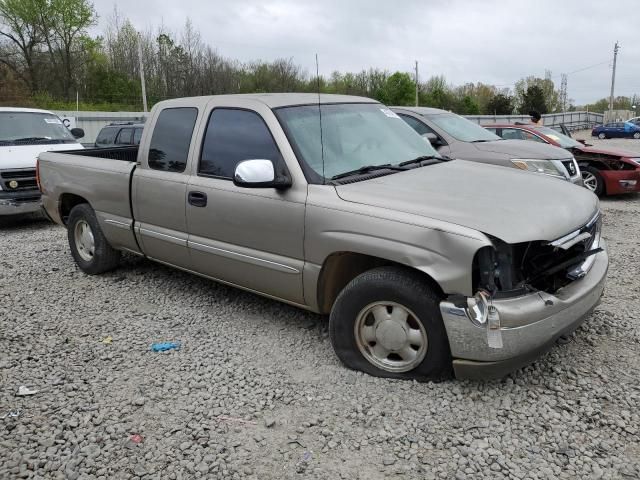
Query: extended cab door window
pixel 161 189
pixel 169 147
pixel 232 136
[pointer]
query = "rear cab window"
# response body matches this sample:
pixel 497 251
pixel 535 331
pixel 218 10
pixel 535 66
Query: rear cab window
pixel 234 135
pixel 107 136
pixel 124 137
pixel 169 147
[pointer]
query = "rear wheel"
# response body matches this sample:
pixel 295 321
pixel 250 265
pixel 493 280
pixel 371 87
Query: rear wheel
pixel 602 136
pixel 386 322
pixel 89 247
pixel 593 180
pixel 636 135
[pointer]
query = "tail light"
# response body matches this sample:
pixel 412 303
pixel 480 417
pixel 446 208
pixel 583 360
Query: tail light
pixel 38 174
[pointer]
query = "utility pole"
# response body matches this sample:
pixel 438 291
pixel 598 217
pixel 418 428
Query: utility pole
pixel 613 80
pixel 416 83
pixel 142 82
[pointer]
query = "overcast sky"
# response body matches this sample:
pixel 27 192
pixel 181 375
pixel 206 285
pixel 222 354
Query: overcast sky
pixel 491 41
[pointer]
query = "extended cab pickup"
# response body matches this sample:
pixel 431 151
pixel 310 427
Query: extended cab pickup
pixel 335 205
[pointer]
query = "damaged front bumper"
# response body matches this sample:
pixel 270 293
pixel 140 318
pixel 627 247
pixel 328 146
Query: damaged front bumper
pixel 529 324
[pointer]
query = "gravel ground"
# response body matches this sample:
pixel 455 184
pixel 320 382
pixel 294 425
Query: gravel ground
pixel 256 391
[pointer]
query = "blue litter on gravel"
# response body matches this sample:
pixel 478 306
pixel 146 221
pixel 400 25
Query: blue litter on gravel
pixel 163 347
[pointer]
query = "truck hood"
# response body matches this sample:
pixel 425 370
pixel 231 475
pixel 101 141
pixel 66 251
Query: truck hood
pixel 25 156
pixel 512 205
pixel 523 149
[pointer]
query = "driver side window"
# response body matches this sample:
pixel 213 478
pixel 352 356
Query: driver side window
pixel 417 125
pixel 234 135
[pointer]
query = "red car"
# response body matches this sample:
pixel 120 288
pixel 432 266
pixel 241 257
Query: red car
pixel 605 170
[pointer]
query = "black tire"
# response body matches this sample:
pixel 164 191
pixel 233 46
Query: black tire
pixel 103 257
pixel 406 289
pixel 599 187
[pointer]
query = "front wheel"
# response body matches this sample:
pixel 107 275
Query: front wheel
pixel 386 322
pixel 89 247
pixel 636 135
pixel 592 180
pixel 602 136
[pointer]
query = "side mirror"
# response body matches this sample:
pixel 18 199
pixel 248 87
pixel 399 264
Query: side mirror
pixel 432 138
pixel 259 174
pixel 77 132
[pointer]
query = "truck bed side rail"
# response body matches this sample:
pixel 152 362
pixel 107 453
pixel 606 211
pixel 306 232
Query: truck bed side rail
pixel 126 154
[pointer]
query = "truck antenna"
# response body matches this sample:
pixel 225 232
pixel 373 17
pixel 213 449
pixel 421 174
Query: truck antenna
pixel 320 117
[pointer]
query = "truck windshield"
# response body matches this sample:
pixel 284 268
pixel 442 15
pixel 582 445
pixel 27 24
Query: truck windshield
pixel 354 135
pixel 563 140
pixel 461 128
pixel 24 128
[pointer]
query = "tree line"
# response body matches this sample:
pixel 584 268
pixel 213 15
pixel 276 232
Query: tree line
pixel 48 59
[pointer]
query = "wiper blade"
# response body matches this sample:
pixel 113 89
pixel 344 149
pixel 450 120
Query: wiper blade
pixel 422 158
pixel 367 169
pixel 33 139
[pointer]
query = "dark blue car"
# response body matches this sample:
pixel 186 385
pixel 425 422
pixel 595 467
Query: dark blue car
pixel 616 130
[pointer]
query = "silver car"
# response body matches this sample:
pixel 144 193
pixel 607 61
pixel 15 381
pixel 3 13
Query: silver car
pixel 457 137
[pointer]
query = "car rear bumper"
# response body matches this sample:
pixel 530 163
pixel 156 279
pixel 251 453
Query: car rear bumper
pixel 19 203
pixel 529 325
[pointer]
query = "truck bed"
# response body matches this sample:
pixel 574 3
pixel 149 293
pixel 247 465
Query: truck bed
pixel 100 177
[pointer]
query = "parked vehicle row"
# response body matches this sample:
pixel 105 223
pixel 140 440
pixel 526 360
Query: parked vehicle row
pixel 605 170
pixel 457 137
pixel 334 204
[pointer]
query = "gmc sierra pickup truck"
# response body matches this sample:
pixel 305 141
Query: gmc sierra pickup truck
pixel 427 266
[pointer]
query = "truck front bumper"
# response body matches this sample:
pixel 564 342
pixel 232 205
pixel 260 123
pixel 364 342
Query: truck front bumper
pixel 18 204
pixel 529 325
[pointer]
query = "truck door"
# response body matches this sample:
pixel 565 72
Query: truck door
pixel 251 237
pixel 160 185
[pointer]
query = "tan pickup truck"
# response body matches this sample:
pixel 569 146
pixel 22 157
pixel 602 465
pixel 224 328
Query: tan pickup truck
pixel 427 266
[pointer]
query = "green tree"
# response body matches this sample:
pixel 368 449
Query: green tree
pixel 500 104
pixel 21 30
pixel 533 99
pixel 64 26
pixel 468 106
pixel 399 89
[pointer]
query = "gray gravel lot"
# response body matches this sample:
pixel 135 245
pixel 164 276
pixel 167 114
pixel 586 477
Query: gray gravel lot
pixel 256 391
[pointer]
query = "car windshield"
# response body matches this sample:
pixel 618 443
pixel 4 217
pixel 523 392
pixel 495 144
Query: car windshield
pixel 461 128
pixel 32 127
pixel 563 140
pixel 354 135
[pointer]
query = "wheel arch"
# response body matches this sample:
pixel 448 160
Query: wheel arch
pixel 339 268
pixel 67 202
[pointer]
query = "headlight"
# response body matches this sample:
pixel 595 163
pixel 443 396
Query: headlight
pixel 546 167
pixel 478 309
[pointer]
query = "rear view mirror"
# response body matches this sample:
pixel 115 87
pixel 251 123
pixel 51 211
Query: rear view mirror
pixel 432 138
pixel 77 132
pixel 259 174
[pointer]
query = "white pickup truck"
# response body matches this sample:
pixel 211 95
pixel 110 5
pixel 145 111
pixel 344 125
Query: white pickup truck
pixel 25 133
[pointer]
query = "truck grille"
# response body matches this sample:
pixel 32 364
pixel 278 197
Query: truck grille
pixel 18 180
pixel 570 165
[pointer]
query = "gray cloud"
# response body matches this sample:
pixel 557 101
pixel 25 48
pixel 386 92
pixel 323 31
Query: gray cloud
pixel 493 41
